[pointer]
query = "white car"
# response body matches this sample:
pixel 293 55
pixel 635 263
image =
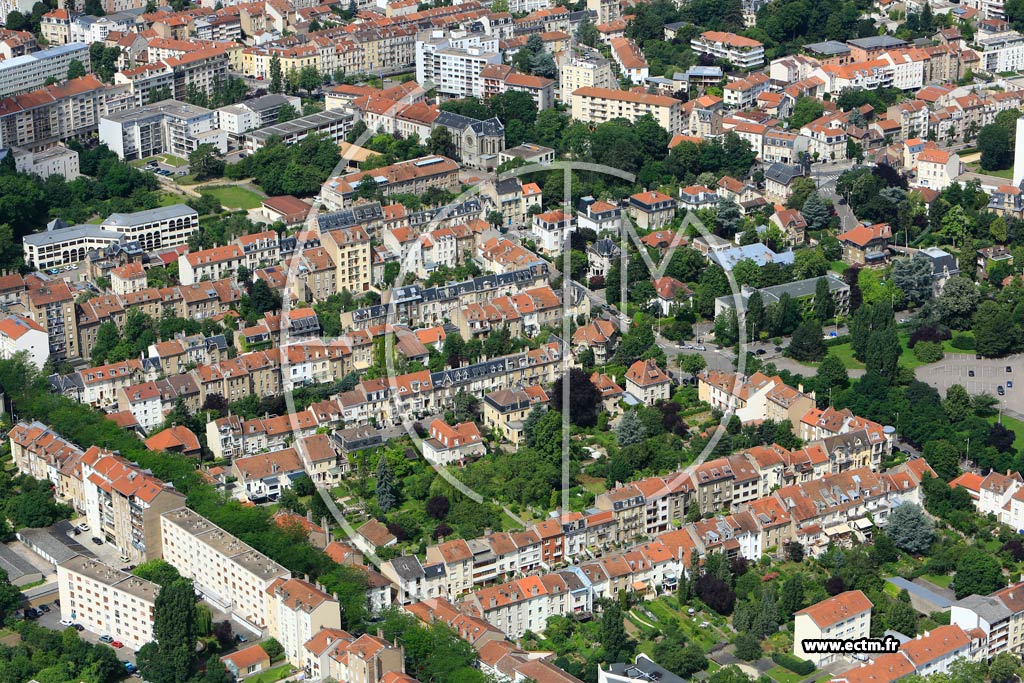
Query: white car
pixel 66 622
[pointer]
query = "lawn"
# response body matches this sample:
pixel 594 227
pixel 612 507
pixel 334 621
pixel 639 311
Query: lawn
pixel 783 675
pixel 234 197
pixel 172 160
pixel 940 580
pixel 844 352
pixel 271 675
pixel 171 199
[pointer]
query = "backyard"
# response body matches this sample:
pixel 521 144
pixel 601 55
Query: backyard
pixel 234 196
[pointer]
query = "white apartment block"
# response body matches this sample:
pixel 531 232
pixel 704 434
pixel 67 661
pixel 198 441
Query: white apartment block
pixel 296 611
pixel 229 573
pixel 24 335
pixel 61 245
pixel 56 160
pixel 741 52
pixel 107 601
pixel 589 70
pixel 598 105
pixel 171 127
pixel 452 61
pixel 210 264
pixel 31 71
pixel 165 226
pixel 846 616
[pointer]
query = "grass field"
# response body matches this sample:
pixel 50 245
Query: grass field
pixel 941 580
pixel 234 197
pixel 844 352
pixel 783 675
pixel 271 675
pixel 171 199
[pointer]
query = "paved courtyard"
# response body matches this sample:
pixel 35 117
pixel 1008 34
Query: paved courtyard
pixel 989 373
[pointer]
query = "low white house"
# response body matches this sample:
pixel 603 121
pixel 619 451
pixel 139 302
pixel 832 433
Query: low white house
pixel 18 334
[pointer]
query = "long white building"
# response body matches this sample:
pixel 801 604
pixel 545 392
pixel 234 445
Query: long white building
pixel 31 71
pixel 107 601
pixel 226 571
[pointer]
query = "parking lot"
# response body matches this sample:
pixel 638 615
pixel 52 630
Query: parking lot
pixel 989 375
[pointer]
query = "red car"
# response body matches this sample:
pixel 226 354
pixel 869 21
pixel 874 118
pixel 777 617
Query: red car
pixel 117 643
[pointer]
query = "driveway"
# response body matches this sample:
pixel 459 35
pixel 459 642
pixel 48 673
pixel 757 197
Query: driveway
pixel 989 373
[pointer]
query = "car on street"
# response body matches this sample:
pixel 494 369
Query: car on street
pixel 66 622
pixel 700 347
pixel 54 271
pixel 106 639
pixel 999 390
pixel 1009 368
pixel 760 352
pixel 970 373
pixel 32 613
pixel 1009 384
pixel 44 608
pixel 117 644
pixel 97 541
pixel 129 667
pixel 240 638
pixel 78 627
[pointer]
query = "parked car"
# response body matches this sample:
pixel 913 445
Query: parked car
pixel 78 627
pixel 240 638
pixel 32 613
pixel 44 608
pixel 700 347
pixel 66 622
pixel 760 352
pixel 1000 391
pixel 117 644
pixel 1009 368
pixel 129 667
pixel 1009 384
pixel 97 541
pixel 106 639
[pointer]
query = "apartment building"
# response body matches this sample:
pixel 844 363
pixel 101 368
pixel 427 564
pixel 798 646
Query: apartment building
pixel 598 105
pixel 349 250
pixel 254 113
pixel 333 124
pixel 264 476
pixel 210 264
pixel 583 69
pixel 226 571
pixel 1000 616
pixel 123 504
pixel 846 616
pixel 30 71
pixel 515 607
pixel 414 176
pixel 43 454
pixel 168 127
pixel 60 244
pixel 107 601
pixel 52 306
pixel 630 59
pixel 507 410
pixel 937 169
pixel 743 53
pixel 297 611
pixel 24 335
pixel 56 160
pixel 153 229
pixel 452 61
pixel 866 245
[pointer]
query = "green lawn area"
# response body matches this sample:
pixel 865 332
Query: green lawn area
pixel 844 352
pixel 234 197
pixel 783 675
pixel 171 199
pixel 173 160
pixel 271 675
pixel 1015 426
pixel 837 266
pixel 941 580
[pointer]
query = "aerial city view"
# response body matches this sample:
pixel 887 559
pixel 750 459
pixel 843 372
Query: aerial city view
pixel 512 341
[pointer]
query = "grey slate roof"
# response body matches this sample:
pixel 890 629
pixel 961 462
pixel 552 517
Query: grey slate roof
pixel 60 234
pixel 160 213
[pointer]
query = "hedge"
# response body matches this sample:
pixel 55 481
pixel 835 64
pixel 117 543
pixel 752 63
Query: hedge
pixel 794 664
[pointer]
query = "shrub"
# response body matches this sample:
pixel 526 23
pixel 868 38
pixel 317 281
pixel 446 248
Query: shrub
pixel 964 342
pixel 794 664
pixel 928 351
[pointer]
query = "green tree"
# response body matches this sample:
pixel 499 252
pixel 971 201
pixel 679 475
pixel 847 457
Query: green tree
pixel 832 374
pixel 824 305
pixel 958 404
pixel 805 110
pixel 75 69
pixel 276 81
pixel 584 398
pixel 995 142
pixel 158 571
pixel 10 596
pixel 172 655
pixel 615 642
pixel 748 648
pixel 1004 668
pixel 206 162
pixel 817 211
pixel 978 573
pixel 882 354
pixel 387 494
pixel 807 343
pixel 791 598
pixel 913 277
pixel 995 331
pixel 910 529
pixel 957 303
pixel 956 224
